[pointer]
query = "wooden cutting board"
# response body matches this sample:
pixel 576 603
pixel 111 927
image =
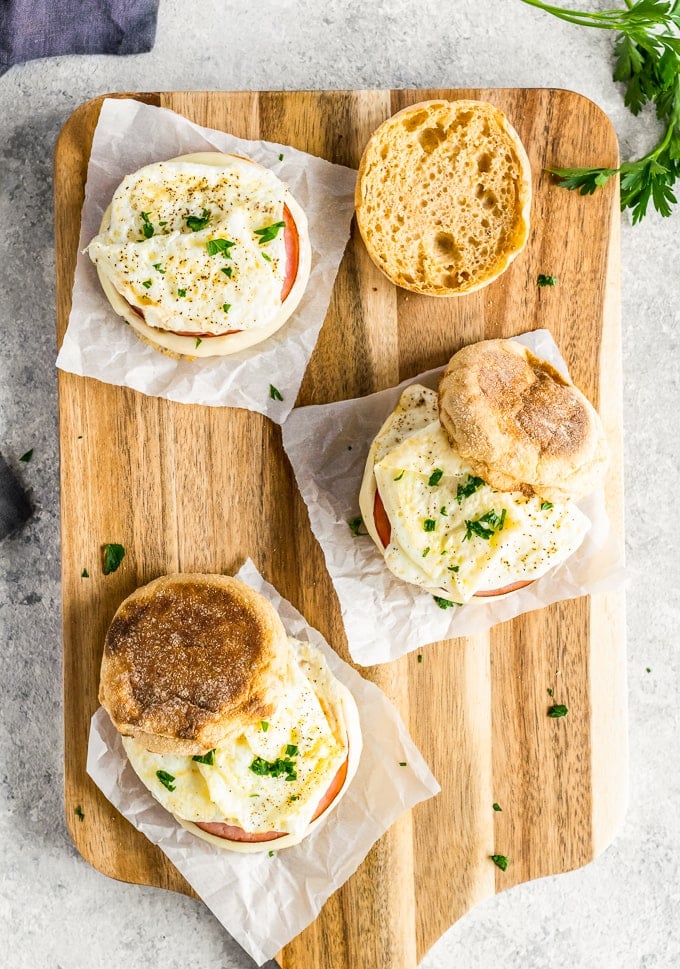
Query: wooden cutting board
pixel 187 488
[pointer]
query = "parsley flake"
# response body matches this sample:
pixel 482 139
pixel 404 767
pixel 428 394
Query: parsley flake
pixel 429 525
pixel 274 768
pixel 199 341
pixel 158 266
pixel 500 861
pixel 444 603
pixel 113 554
pixel 181 293
pixel 265 255
pixel 551 692
pixel 271 853
pixel 196 223
pixel 496 806
pixel 399 476
pixel 208 758
pixel 226 307
pixel 84 574
pixel 147 283
pixel 435 477
pixel 453 568
pixel 281 156
pixel 147 229
pixel 80 814
pixel 557 710
pixel 167 780
pixel 402 763
pixel 27 456
pixel 546 505
pixel 269 232
pixel 274 393
pixel 426 551
pixel 264 726
pixel 486 525
pixel 215 246
pixel 292 750
pixel 355 526
pixel 543 280
pixel 227 270
pixel 420 657
pixel 471 485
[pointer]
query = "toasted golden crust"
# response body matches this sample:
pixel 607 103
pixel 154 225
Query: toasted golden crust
pixel 443 196
pixel 520 424
pixel 188 656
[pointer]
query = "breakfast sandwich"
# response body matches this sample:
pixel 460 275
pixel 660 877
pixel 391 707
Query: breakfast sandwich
pixel 203 255
pixel 239 731
pixel 443 196
pixel 470 491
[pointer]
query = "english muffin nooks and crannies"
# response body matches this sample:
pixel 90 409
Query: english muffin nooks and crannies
pixel 241 732
pixel 520 424
pixel 203 255
pixel 441 523
pixel 443 196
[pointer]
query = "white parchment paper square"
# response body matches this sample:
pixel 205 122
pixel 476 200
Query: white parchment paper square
pixel 263 901
pixel 99 344
pixel 384 616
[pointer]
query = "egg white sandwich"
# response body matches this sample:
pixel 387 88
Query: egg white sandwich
pixel 471 491
pixel 203 255
pixel 240 732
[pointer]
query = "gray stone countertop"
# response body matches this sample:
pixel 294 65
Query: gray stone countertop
pixel 623 910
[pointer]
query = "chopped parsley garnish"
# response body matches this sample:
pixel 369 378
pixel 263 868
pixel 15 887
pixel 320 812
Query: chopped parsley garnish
pixel 113 555
pixel 269 232
pixel 264 725
pixel 270 853
pixel 274 768
pixel 147 228
pixel 214 246
pixel 500 861
pixel 399 476
pixel 486 525
pixel 84 574
pixel 355 526
pixel 292 750
pixel 199 341
pixel 208 758
pixel 147 283
pixel 543 280
pixel 166 779
pixel 443 511
pixel 281 156
pixel 181 293
pixel 426 551
pixel 557 710
pixel 226 307
pixel 294 797
pixel 196 223
pixel 496 806
pixel 444 603
pixel 158 266
pixel 274 393
pixel 402 763
pixel 551 692
pixel 546 505
pixel 265 255
pixel 80 814
pixel 453 568
pixel 429 525
pixel 227 270
pixel 27 456
pixel 471 485
pixel 420 657
pixel 435 477
pixel 648 669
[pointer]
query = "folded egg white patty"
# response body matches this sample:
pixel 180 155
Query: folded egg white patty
pixel 451 533
pixel 305 741
pixel 198 248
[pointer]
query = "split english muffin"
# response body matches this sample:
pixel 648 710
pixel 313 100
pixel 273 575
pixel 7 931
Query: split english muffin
pixel 239 731
pixel 443 196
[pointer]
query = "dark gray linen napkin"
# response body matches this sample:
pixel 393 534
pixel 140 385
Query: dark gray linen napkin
pixel 46 28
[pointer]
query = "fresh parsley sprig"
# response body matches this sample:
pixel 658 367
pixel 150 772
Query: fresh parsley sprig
pixel 647 61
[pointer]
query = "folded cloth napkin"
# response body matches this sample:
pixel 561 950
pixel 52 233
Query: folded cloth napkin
pixel 15 507
pixel 46 28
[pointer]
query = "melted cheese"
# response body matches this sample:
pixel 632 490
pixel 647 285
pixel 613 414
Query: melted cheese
pixel 308 717
pixel 450 534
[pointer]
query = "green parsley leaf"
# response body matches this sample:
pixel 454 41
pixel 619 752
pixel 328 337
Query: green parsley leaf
pixel 648 669
pixel 496 806
pixel 147 283
pixel 113 555
pixel 551 692
pixel 196 223
pixel 274 768
pixel 294 797
pixel 429 525
pixel 264 725
pixel 208 758
pixel 501 861
pixel 274 393
pixel 444 603
pixel 199 341
pixel 420 657
pixel 215 246
pixel 292 750
pixel 80 814
pixel 399 476
pixel 546 505
pixel 443 511
pixel 281 156
pixel 158 266
pixel 355 526
pixel 435 477
pixel 558 710
pixel 453 568
pixel 227 270
pixel 402 763
pixel 471 485
pixel 426 551
pixel 270 853
pixel 181 293
pixel 265 255
pixel 269 232
pixel 27 456
pixel 147 228
pixel 167 780
pixel 479 525
pixel 543 280
pixel 226 307
pixel 84 574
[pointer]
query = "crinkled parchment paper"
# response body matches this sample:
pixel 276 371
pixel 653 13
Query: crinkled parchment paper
pixel 386 617
pixel 98 343
pixel 265 901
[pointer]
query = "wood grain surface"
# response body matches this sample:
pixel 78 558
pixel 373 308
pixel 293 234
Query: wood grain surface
pixel 199 489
